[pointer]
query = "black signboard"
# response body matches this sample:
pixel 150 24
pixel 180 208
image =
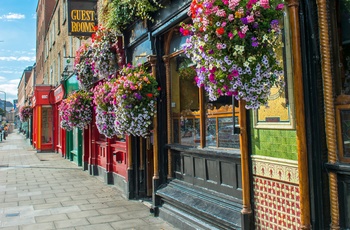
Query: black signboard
pixel 82 17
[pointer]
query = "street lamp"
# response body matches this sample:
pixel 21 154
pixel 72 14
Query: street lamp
pixel 4 103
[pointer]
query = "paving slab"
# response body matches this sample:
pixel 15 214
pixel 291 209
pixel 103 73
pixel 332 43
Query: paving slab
pixel 45 191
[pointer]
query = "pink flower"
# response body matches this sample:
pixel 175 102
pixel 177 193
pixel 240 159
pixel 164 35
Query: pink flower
pixel 265 4
pixel 219 46
pixel 221 13
pixel 225 2
pixel 250 18
pixel 230 35
pixel 220 92
pixel 280 6
pixel 244 29
pixel 212 78
pixel 223 24
pixel 231 17
pixel 235 73
pixel 241 35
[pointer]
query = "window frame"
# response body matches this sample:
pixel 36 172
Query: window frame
pixel 289 90
pixel 201 114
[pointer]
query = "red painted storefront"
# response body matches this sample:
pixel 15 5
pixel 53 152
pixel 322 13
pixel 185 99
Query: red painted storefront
pixel 105 157
pixel 59 133
pixel 43 119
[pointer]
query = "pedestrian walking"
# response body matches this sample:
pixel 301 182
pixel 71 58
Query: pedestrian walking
pixel 5 131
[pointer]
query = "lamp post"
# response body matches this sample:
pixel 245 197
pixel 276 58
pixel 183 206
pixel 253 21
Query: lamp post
pixel 4 103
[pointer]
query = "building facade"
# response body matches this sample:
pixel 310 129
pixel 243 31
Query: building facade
pixel 214 164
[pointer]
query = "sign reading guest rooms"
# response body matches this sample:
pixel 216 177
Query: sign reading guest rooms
pixel 82 17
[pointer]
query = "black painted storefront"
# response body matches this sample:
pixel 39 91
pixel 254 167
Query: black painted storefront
pixel 203 190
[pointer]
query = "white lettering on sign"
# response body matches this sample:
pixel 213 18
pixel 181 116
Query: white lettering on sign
pixel 44 96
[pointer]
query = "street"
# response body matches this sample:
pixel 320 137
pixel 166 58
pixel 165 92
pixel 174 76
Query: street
pixel 45 191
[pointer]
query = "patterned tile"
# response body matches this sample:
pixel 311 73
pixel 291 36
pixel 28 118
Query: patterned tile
pixel 276 194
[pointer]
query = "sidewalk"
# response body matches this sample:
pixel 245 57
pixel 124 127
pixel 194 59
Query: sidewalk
pixel 44 191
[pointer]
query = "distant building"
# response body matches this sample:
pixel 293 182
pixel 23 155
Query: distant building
pixel 9 105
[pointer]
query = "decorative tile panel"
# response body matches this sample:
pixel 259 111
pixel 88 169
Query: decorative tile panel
pixel 276 193
pixel 275 168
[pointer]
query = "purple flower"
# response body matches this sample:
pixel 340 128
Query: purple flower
pixel 255 43
pixel 138 96
pixel 275 25
pixel 244 20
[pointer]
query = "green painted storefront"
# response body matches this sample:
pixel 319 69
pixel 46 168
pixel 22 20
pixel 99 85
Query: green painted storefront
pixel 74 150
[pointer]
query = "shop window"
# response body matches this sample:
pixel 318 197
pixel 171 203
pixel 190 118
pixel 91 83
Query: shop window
pixel 75 139
pixel 215 126
pixel 279 114
pixel 342 76
pixel 140 52
pixel 46 125
pixel 343 21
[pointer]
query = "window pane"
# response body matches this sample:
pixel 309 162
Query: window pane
pixel 226 137
pixel 184 104
pixel 75 139
pixel 46 125
pixel 280 99
pixel 345 127
pixel 188 134
pixel 211 132
pixel 221 122
pixel 344 9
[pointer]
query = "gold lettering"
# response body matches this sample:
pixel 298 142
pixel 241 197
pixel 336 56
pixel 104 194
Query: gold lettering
pixel 74 15
pixel 83 15
pixel 82 27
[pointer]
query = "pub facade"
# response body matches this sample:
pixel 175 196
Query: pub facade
pixel 212 164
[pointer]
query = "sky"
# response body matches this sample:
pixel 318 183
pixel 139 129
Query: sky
pixel 17 43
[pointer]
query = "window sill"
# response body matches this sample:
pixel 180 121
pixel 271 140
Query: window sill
pixel 207 150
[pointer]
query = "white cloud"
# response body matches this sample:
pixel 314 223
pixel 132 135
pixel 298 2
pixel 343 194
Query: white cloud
pixel 32 59
pixel 23 58
pixel 10 89
pixel 12 16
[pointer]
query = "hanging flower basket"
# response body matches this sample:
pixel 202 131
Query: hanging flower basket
pixel 25 113
pixel 84 66
pixel 104 94
pixel 135 101
pixel 233 43
pixel 76 110
pixel 104 52
pixel 105 121
pixel 117 14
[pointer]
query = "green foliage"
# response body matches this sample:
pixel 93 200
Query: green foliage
pixel 120 13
